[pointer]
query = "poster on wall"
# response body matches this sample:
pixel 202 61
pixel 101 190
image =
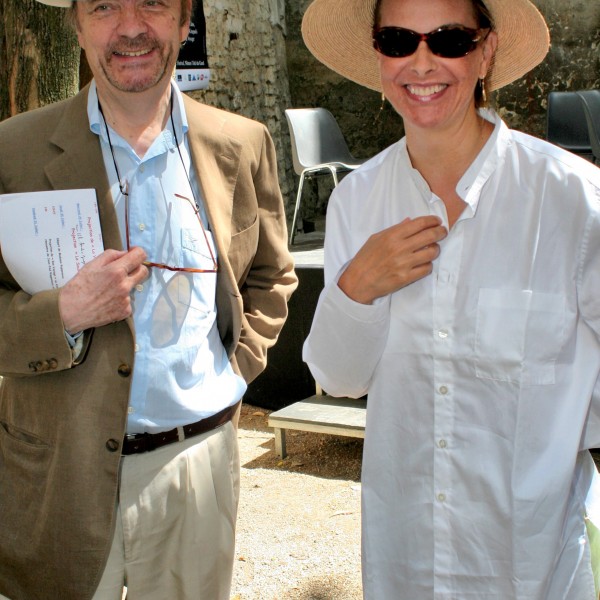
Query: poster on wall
pixel 192 72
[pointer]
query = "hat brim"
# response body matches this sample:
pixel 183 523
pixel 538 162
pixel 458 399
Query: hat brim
pixel 339 34
pixel 58 3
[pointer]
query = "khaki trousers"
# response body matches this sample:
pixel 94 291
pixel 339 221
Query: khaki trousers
pixel 175 531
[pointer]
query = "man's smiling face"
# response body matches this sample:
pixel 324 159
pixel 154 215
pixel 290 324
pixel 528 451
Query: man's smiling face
pixel 131 45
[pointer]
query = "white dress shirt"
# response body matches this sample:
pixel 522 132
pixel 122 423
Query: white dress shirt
pixel 480 377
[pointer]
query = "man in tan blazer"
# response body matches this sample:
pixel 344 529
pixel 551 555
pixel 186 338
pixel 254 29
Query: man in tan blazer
pixel 104 479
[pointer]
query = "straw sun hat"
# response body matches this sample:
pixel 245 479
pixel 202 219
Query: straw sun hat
pixel 339 34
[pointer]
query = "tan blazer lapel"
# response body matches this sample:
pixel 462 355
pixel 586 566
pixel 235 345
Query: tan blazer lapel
pixel 81 165
pixel 216 159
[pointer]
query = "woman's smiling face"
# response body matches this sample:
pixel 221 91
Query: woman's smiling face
pixel 431 92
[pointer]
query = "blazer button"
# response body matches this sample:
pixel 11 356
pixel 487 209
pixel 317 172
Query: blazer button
pixel 124 370
pixel 53 363
pixel 33 367
pixel 112 445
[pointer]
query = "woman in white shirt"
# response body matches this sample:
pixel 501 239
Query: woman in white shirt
pixel 462 293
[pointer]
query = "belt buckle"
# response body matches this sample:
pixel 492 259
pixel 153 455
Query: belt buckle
pixel 145 441
pixel 149 442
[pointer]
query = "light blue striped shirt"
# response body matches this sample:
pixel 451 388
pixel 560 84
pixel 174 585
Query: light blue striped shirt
pixel 182 373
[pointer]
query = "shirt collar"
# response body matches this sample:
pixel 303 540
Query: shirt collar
pixel 470 184
pixel 97 122
pixel 474 178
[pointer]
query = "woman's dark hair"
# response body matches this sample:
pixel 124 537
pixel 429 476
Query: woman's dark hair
pixel 484 21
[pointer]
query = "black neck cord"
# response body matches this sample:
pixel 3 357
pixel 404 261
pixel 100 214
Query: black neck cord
pixel 112 152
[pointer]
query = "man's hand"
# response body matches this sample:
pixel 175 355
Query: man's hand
pixel 100 293
pixel 393 259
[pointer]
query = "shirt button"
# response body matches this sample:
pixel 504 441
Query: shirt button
pixel 441 497
pixel 443 390
pixel 139 287
pixel 112 445
pixel 124 370
pixel 142 226
pixel 442 443
pixel 142 168
pixel 444 276
pixel 443 333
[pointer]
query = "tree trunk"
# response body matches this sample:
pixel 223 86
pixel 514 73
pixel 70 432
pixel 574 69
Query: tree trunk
pixel 39 56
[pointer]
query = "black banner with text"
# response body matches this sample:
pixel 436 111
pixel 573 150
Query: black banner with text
pixel 192 72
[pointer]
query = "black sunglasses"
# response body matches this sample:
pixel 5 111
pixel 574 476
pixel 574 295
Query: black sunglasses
pixel 449 41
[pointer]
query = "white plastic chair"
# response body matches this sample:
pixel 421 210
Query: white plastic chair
pixel 318 147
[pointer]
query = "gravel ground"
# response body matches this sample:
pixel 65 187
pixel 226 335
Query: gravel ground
pixel 298 530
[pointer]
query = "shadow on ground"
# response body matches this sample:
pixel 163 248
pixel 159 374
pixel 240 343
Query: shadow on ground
pixel 321 589
pixel 317 454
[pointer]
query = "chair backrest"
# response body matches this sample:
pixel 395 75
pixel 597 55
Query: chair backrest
pixel 316 138
pixel 591 105
pixel 566 123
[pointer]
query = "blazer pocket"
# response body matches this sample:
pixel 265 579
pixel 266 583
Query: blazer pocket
pixel 20 436
pixel 242 250
pixel 24 463
pixel 243 219
pixel 519 334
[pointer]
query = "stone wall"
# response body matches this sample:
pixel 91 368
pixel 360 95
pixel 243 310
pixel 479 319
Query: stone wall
pixel 573 63
pixel 247 58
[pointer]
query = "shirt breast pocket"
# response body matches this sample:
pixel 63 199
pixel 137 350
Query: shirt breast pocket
pixel 197 249
pixel 197 290
pixel 519 334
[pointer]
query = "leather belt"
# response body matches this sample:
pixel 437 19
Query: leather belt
pixel 145 442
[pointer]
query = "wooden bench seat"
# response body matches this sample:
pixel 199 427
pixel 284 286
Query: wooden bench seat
pixel 322 414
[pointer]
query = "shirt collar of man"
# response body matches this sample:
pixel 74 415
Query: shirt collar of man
pixel 97 123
